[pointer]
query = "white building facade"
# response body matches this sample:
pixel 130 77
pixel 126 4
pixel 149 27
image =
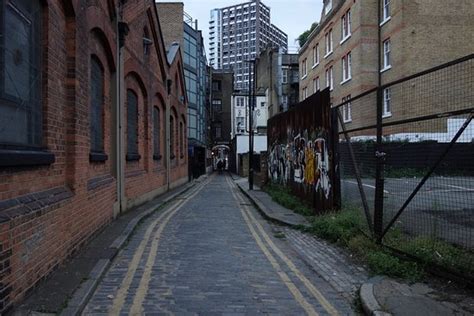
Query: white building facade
pixel 241 115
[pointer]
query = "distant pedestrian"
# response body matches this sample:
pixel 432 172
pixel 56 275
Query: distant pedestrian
pixel 219 166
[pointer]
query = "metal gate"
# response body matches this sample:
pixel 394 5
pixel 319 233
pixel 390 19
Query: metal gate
pixel 407 161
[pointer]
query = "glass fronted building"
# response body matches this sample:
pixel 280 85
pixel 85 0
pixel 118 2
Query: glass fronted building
pixel 197 82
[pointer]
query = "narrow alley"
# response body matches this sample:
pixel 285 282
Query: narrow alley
pixel 210 252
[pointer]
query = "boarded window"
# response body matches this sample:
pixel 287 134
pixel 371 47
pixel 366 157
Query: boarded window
pixel 97 106
pixel 20 73
pixel 181 140
pixel 132 123
pixel 172 137
pixel 156 133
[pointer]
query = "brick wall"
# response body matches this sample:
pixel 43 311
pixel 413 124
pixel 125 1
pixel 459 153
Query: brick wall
pixel 48 212
pixel 423 34
pixel 171 19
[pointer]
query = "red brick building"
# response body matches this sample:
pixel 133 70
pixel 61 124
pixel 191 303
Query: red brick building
pixel 92 123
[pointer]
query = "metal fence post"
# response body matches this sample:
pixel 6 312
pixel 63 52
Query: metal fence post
pixel 379 171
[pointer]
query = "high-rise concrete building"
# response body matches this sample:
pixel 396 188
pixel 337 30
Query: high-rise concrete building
pixel 238 33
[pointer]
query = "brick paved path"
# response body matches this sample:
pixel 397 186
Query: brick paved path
pixel 210 253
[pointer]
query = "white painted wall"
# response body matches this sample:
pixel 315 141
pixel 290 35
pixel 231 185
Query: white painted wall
pixel 242 146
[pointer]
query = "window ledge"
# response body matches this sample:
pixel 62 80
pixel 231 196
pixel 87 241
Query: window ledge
pixel 132 157
pixel 348 121
pixel 304 77
pixel 387 115
pixel 386 68
pixel 345 80
pixel 157 157
pixel 315 65
pixel 97 157
pixel 16 158
pixel 385 21
pixel 328 54
pixel 345 39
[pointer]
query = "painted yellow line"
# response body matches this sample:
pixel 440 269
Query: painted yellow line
pixel 143 287
pixel 119 299
pixel 284 277
pixel 314 291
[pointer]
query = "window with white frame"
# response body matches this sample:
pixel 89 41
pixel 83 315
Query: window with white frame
pixel 305 93
pixel 318 86
pixel 386 54
pixel 240 101
pixel 329 78
pixel 385 10
pixel 284 78
pixel 304 70
pixel 346 67
pixel 327 6
pixel 346 25
pixel 328 42
pixel 315 55
pixel 387 102
pixel 315 88
pixel 347 109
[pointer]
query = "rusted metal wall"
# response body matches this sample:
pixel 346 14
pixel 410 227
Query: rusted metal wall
pixel 301 152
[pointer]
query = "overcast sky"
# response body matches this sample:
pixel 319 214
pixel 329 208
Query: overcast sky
pixel 292 16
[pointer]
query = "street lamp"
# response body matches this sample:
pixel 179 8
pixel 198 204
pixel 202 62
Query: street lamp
pixel 251 107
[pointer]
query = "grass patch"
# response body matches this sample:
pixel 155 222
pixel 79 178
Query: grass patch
pixel 345 229
pixel 433 251
pixel 283 196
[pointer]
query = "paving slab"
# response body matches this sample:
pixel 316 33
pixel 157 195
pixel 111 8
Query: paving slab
pixel 269 208
pixel 385 296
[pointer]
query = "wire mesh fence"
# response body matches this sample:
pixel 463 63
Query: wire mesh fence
pixel 415 169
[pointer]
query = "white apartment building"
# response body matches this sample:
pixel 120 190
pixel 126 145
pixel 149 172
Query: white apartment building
pixel 241 114
pixel 237 34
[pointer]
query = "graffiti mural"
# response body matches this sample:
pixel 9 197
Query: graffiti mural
pixel 301 153
pixel 306 160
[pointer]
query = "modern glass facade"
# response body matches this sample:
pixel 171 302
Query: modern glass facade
pixel 196 77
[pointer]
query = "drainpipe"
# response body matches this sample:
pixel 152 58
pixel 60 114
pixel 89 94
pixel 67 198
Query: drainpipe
pixel 168 133
pixel 121 31
pixel 379 155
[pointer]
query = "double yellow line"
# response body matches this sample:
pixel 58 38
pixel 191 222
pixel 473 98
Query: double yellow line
pixel 142 289
pixel 252 223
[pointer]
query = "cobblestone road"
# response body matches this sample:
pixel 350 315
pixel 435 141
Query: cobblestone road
pixel 210 253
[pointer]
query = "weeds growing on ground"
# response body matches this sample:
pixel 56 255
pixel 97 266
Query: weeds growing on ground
pixel 283 196
pixel 346 228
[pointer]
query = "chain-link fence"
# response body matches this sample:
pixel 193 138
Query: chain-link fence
pixel 407 160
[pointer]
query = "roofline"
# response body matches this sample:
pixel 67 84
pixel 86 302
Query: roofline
pixel 321 26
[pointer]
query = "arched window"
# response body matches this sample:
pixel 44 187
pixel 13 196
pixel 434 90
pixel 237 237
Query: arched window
pixel 132 126
pixel 181 140
pixel 156 133
pixel 176 85
pixel 172 132
pixel 96 106
pixel 20 73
